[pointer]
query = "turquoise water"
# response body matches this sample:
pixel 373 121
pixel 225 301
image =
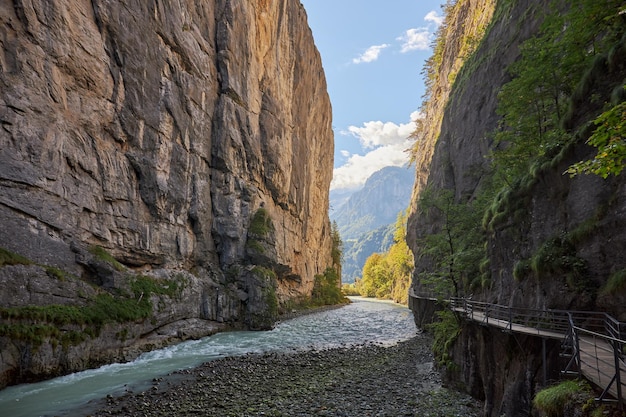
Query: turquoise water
pixel 363 321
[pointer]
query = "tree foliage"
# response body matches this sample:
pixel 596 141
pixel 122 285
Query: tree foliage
pixel 388 275
pixel 456 249
pixel 326 289
pixel 336 252
pixel 610 139
pixel 536 101
pixel 327 286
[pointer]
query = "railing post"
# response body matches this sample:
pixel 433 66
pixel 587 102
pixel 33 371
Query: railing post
pixel 510 319
pixel 577 344
pixel 544 361
pixel 618 371
pixel 487 314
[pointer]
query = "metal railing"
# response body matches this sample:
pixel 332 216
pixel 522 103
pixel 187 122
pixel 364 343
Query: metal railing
pixel 599 357
pixel 594 341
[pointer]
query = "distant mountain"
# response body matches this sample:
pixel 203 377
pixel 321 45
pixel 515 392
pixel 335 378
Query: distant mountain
pixel 366 218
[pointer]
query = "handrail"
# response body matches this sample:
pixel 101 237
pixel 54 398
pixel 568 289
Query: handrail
pixel 600 331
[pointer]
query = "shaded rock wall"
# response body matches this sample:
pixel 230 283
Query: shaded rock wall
pixel 552 205
pixel 156 130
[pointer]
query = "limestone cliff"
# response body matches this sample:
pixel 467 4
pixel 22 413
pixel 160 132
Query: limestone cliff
pixel 550 241
pixel 141 144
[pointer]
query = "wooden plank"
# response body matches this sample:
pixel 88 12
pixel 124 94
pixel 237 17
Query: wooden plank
pixel 505 324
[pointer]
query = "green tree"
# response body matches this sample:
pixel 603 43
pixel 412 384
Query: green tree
pixel 337 248
pixel 327 289
pixel 545 78
pixel 373 279
pixel 456 248
pixel 327 286
pixel 388 275
pixel 400 261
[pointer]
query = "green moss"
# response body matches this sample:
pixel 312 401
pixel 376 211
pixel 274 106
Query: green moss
pixel 557 255
pixel 616 283
pixel 11 258
pixel 255 246
pixel 509 203
pixel 105 256
pixel 35 334
pixel 264 273
pixel 147 286
pixel 271 300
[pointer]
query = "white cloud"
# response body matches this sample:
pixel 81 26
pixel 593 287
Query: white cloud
pixel 434 17
pixel 376 133
pixel 360 167
pixel 420 39
pixel 371 54
pixel 388 143
pixel 415 39
pixel 345 153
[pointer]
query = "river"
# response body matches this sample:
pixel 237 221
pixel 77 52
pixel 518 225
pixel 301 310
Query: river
pixel 362 321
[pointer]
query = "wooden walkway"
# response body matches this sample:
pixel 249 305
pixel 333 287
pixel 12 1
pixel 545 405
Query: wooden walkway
pixel 594 341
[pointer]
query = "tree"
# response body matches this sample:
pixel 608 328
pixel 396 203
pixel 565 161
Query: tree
pixel 455 248
pixel 548 74
pixel 337 248
pixel 388 275
pixel 372 281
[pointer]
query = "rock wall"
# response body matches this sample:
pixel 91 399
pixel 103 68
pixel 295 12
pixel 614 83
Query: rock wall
pixel 156 131
pixel 552 205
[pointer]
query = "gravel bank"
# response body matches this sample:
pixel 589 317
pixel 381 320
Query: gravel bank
pixel 369 380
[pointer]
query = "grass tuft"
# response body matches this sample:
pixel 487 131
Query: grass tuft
pixel 11 258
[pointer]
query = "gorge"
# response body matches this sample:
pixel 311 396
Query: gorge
pixel 165 171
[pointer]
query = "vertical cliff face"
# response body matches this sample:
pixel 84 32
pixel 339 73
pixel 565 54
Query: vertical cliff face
pixel 155 132
pixel 550 241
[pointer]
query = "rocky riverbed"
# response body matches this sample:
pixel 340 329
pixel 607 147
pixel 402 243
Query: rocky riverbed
pixel 368 380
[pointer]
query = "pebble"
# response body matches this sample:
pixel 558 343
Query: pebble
pixel 368 380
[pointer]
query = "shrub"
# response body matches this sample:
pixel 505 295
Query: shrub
pixel 445 332
pixel 261 223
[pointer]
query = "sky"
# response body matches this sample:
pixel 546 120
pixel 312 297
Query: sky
pixel 373 53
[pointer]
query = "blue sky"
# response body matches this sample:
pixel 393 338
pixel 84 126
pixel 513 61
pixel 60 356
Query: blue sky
pixel 373 55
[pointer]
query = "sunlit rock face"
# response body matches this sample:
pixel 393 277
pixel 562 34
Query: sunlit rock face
pixel 156 130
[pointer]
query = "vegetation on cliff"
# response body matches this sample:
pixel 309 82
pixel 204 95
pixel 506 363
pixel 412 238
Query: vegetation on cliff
pixel 570 397
pixel 555 71
pixel 72 324
pixel 327 286
pixel 553 101
pixel 495 213
pixel 388 275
